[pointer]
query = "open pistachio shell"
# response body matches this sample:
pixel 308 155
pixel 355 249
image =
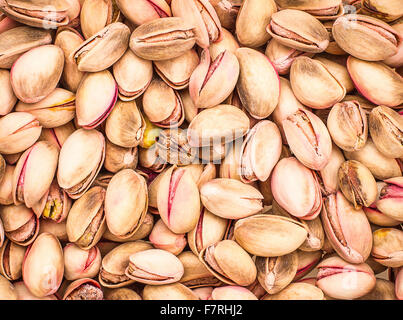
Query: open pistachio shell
pixel 227 42
pixel 322 10
pixel 306 262
pixel 80 263
pixel 163 238
pixel 142 11
pixel 328 176
pixel 389 201
pixel 388 247
pixel 118 158
pixel 83 289
pixel 11 257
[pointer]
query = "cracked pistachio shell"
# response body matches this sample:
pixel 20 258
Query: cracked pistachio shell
pixel 386 128
pixel 43 266
pixel 306 262
pixel 95 15
pixel 383 290
pixel 227 43
pixel 163 238
pixel 357 183
pixel 125 125
pixel 258 84
pixel 346 228
pixel 68 40
pixel 333 47
pixel 57 109
pixel 396 60
pixel 126 203
pixel 81 158
pixel 213 80
pixel 337 67
pixel 178 200
pixel 58 135
pixel 142 11
pixel 254 34
pixel 86 220
pixel 133 75
pixel 302 198
pixel 103 49
pixel 96 97
pixel 380 166
pixel 314 84
pixel 163 39
pixel 230 198
pixel 46 14
pixel 347 124
pixel 36 73
pixel 177 72
pixel 388 247
pixel 115 262
pixel 16 41
pixel 154 266
pixel 229 166
pixel 80 263
pixel 18 131
pixel 389 199
pixel 322 10
pixel 80 290
pixel 8 98
pixel 219 259
pixel 260 151
pixel 209 230
pixel 365 37
pixel 34 173
pixel 173 291
pixel 298 291
pixel 7 290
pixel 328 176
pixel 212 125
pixel 202 15
pixel 227 12
pixel 341 280
pixel 275 273
pixel 299 30
pixel 11 257
pixel 269 236
pixel 385 10
pixel 376 81
pixel 118 158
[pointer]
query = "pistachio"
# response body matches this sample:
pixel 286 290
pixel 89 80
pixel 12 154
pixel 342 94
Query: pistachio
pixel 7 290
pixel 56 204
pixel 306 262
pixel 388 247
pixel 80 263
pixel 121 294
pixel 8 99
pixel 118 158
pixel 173 291
pixel 163 238
pixel 383 290
pixel 389 199
pixel 322 10
pixel 226 43
pixel 83 289
pixel 232 293
pixel 23 293
pixel 139 12
pixel 298 291
pixel 328 176
pixel 11 257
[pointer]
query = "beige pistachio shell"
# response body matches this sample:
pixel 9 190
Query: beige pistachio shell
pixel 7 290
pixel 57 229
pixel 322 10
pixel 232 293
pixel 23 293
pixel 228 42
pixel 122 294
pixel 163 238
pixel 11 257
pixel 142 11
pixel 338 69
pixel 80 263
pixel 383 290
pixel 388 247
pixel 8 98
pixel 173 291
pixel 118 158
pixel 328 177
pixel 298 291
pixel 229 166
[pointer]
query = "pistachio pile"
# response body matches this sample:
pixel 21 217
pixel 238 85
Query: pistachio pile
pixel 201 149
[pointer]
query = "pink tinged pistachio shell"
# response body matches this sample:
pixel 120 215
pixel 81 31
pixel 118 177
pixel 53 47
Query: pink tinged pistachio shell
pixel 308 139
pixel 80 263
pixel 390 200
pixel 260 151
pixel 379 218
pixel 178 200
pixel 322 10
pixel 42 269
pixel 227 42
pixel 8 99
pixel 7 23
pixel 204 293
pixel 230 198
pixel 84 289
pixel 154 266
pixel 232 293
pixel 302 198
pixel 142 11
pixel 399 284
pixel 23 293
pixel 34 173
pixel 388 247
pixel 37 72
pixel 18 131
pixel 163 238
pixel 201 14
pixel 306 262
pixel 213 80
pixel 81 157
pixel 341 280
pixel 376 81
pixel 96 97
pixel 347 229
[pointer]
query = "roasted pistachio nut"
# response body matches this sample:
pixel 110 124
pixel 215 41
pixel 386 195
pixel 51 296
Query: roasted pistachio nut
pixel 7 290
pixel 323 10
pixel 299 30
pixel 258 84
pixel 377 40
pixel 11 257
pixel 115 262
pixel 118 158
pixel 86 220
pixel 80 263
pixel 154 266
pixel 163 238
pixel 83 289
pixel 340 280
pixel 219 257
pixel 376 81
pixel 163 39
pixel 230 198
pixel 8 98
pixel 298 291
pixel 305 205
pixel 260 151
pixel 47 14
pixel 43 266
pixel 103 49
pixel 386 128
pixel 314 84
pixel 81 158
pixel 254 34
pixel 173 291
pixel 347 125
pixel 346 228
pixel 142 11
pixel 388 247
pixel 36 73
pixel 389 202
pixel 126 203
pixel 201 14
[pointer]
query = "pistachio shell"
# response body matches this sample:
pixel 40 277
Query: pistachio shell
pixel 142 11
pixel 80 263
pixel 8 99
